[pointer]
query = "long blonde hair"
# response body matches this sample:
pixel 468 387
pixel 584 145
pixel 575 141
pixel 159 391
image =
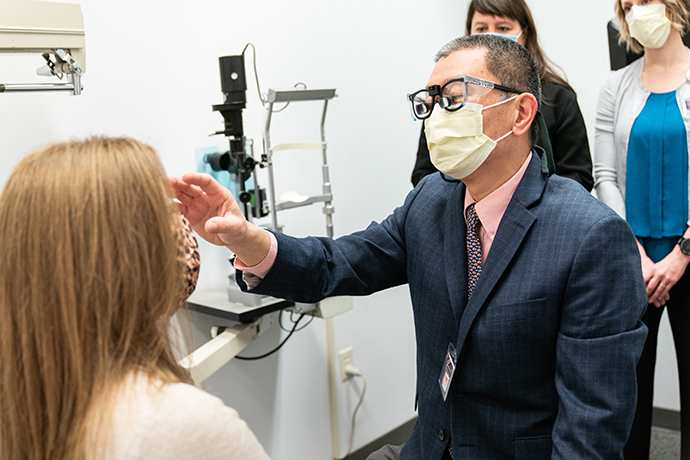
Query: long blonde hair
pixel 89 278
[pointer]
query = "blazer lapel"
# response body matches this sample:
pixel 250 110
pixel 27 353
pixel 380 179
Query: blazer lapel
pixel 455 265
pixel 512 230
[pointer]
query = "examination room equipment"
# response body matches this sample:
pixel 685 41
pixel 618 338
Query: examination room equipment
pixel 240 162
pixel 236 160
pixel 53 30
pixel 252 313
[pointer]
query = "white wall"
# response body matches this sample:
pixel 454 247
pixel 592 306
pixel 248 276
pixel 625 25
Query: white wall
pixel 152 73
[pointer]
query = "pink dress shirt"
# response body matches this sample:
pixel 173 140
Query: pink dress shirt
pixel 491 208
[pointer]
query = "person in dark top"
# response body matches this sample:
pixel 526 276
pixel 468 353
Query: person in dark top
pixel 566 127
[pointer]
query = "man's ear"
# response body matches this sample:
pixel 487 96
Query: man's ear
pixel 527 106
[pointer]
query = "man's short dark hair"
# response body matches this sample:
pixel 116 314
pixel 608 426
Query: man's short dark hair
pixel 510 62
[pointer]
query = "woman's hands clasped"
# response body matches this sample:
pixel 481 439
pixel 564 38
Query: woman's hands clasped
pixel 660 277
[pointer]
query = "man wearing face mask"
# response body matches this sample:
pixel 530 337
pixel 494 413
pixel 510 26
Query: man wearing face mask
pixel 641 167
pixel 526 291
pixel 561 113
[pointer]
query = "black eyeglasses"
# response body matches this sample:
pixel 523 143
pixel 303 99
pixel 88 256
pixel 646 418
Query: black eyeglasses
pixel 452 96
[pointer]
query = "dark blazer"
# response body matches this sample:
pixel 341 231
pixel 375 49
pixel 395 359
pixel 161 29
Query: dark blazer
pixel 548 343
pixel 567 134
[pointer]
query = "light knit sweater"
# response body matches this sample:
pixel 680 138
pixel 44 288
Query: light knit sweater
pixel 177 421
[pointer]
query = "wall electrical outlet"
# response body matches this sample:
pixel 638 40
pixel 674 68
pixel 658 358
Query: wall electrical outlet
pixel 345 359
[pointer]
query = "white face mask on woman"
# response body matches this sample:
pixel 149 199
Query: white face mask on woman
pixel 456 140
pixel 508 36
pixel 649 25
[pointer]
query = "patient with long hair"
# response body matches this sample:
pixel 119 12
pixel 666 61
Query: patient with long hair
pixel 93 265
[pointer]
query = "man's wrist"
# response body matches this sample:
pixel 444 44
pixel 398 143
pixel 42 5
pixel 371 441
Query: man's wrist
pixel 255 245
pixel 262 268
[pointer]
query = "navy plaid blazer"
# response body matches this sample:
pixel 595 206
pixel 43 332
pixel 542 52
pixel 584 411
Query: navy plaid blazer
pixel 548 343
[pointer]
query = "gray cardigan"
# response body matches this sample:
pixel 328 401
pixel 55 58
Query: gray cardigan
pixel 621 100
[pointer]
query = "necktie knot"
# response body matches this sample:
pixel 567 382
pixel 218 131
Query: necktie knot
pixel 472 218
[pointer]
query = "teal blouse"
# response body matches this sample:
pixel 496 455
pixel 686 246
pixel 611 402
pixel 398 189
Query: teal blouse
pixel 656 189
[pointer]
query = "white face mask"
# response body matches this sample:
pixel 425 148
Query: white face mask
pixel 456 140
pixel 508 36
pixel 649 25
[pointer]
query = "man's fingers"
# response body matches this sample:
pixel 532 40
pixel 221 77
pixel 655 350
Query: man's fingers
pixel 185 198
pixel 182 207
pixel 180 187
pixel 206 183
pixel 221 225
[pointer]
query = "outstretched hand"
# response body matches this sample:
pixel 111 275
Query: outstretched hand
pixel 210 208
pixel 214 215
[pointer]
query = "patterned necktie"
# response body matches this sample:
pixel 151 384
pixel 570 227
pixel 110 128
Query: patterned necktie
pixel 474 262
pixel 474 249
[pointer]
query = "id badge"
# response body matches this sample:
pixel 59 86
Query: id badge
pixel 448 370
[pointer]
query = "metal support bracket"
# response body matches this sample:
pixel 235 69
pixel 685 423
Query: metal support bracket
pixel 214 354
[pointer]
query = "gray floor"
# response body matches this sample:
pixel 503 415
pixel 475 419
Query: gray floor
pixel 665 444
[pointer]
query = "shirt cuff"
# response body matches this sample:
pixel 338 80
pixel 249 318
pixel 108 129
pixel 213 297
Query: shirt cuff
pixel 262 268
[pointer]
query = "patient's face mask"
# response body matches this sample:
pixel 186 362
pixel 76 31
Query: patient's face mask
pixel 649 25
pixel 188 258
pixel 456 140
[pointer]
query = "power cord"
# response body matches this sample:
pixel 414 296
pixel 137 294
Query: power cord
pixel 253 358
pixel 256 74
pixel 280 320
pixel 352 371
pixel 262 97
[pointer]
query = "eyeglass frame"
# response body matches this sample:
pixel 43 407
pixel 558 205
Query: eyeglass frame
pixel 437 91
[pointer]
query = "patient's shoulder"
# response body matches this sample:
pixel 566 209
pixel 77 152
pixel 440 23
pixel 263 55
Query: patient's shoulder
pixel 180 421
